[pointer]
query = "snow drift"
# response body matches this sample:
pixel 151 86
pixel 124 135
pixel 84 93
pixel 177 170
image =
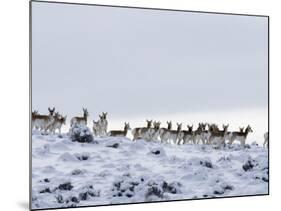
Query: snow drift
pixel 68 173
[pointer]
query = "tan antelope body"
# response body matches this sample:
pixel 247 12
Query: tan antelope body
pixel 80 120
pixel 154 132
pixel 103 124
pixel 229 134
pixel 240 136
pixel 174 134
pixel 197 134
pixel 211 128
pixel 42 122
pixel 57 123
pixel 205 134
pixel 186 135
pixel 227 137
pixel 96 128
pixel 121 133
pixel 33 117
pixel 218 136
pixel 164 133
pixel 142 132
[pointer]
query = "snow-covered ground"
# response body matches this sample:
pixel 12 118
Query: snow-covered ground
pixel 117 170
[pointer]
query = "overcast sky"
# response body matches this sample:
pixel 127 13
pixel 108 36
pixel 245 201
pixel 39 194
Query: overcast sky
pixel 135 62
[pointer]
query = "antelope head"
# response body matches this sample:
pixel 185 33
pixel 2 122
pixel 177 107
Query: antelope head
pixel 157 125
pixel 127 126
pixel 85 112
pixel 154 124
pixel 179 126
pixel 203 126
pixel 51 111
pixel 57 115
pixel 190 128
pixel 34 113
pixel 213 128
pixel 169 125
pixel 225 127
pixel 199 128
pixel 104 114
pixel 149 123
pixel 248 129
pixel 241 129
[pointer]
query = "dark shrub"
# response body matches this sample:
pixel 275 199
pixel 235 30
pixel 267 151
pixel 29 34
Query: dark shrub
pixel 265 179
pixel 46 190
pixel 46 180
pixel 115 145
pixel 154 191
pixel 218 192
pixel 60 199
pixel 228 187
pixel 129 195
pixel 170 187
pixel 82 156
pixel 65 186
pixel 156 152
pixel 86 194
pixel 74 199
pixel 76 172
pixel 81 133
pixel 248 165
pixel 125 186
pixel 206 164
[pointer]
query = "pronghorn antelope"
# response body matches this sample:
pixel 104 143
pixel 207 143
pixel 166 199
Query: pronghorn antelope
pixel 205 134
pixel 34 113
pixel 227 137
pixel 142 132
pixel 164 133
pixel 212 128
pixel 154 132
pixel 59 120
pixel 265 143
pixel 96 128
pixel 174 134
pixel 33 117
pixel 80 120
pixel 186 135
pixel 229 134
pixel 218 136
pixel 103 124
pixel 241 136
pixel 43 121
pixel 197 134
pixel 122 133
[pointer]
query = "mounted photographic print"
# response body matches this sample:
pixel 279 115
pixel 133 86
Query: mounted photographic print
pixel 136 105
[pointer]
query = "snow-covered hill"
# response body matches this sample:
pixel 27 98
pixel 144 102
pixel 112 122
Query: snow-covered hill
pixel 117 170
